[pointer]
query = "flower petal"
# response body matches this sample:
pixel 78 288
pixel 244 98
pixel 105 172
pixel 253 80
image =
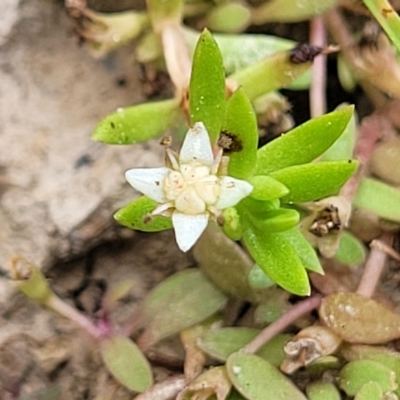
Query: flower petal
pixel 197 146
pixel 188 228
pixel 148 181
pixel 232 191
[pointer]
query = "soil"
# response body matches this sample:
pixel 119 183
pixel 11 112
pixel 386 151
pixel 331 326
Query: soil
pixel 58 191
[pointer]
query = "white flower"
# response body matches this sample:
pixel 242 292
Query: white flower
pixel 190 191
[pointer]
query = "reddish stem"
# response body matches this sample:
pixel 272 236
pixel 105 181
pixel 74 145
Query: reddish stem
pixel 374 266
pixel 281 323
pixel 318 83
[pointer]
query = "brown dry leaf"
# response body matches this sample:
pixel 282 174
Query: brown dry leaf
pixel 358 319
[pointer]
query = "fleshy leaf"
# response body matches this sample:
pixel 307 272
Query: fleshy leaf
pixel 214 253
pixel 249 374
pixel 353 352
pixel 273 73
pixel 304 250
pixel 177 303
pixel 267 188
pixel 322 391
pixel 136 215
pixel 344 146
pixel 305 143
pixel 139 123
pixel 277 220
pixel 314 181
pixel 276 305
pixel 240 132
pixel 274 254
pixel 207 101
pixel 258 279
pixel 221 343
pixel 351 251
pixel 126 363
pixel 164 12
pixel 257 208
pixel 357 319
pixel 228 17
pixel 370 391
pixel 290 10
pixel 379 198
pixel 356 374
pixel 239 51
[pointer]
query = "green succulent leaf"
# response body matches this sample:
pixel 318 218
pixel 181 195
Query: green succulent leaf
pixel 343 147
pixel 381 354
pixel 356 374
pixel 304 250
pixel 277 220
pixel 180 301
pixel 221 343
pixel 379 198
pixel 163 12
pixel 357 319
pixel 322 391
pixel 228 17
pixel 136 215
pixel 241 133
pixel 314 181
pixel 257 208
pixel 126 363
pixel 240 51
pixel 290 10
pixel 272 73
pixel 207 101
pixel 139 123
pixel 258 279
pixel 351 251
pixel 273 306
pixel 267 188
pixel 249 374
pixel 370 391
pixel 305 143
pixel 275 255
pixel 216 254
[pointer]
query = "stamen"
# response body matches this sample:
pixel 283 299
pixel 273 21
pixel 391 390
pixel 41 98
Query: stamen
pixel 172 159
pixel 217 162
pixel 162 208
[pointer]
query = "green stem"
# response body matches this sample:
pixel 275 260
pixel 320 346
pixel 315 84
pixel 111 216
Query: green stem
pixel 387 17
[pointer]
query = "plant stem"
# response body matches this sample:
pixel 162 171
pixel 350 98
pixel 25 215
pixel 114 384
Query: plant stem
pixel 370 132
pixel 64 309
pixel 318 83
pixel 281 323
pixel 374 266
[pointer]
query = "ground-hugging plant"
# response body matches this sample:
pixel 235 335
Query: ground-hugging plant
pixel 258 203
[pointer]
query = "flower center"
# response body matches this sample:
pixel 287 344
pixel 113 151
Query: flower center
pixel 192 188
